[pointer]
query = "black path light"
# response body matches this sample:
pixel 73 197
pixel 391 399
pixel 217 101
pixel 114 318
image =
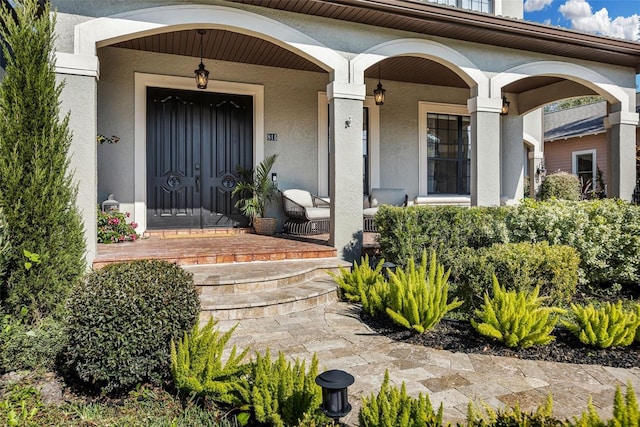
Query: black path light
pixel 335 401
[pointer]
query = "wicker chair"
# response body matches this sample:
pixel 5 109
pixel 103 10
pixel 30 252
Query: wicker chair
pixel 378 197
pixel 306 213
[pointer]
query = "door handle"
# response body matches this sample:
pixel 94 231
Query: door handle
pixel 197 184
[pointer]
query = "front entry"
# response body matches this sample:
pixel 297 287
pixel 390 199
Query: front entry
pixel 195 142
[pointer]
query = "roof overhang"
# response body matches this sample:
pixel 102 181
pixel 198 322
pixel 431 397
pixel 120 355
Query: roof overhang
pixel 449 22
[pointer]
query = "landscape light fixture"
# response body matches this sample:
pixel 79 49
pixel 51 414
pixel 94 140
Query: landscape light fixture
pixel 505 106
pixel 378 94
pixel 202 74
pixel 335 401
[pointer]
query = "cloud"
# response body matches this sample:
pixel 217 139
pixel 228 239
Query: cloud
pixel 536 5
pixel 583 18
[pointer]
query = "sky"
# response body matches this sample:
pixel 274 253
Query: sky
pixel 613 18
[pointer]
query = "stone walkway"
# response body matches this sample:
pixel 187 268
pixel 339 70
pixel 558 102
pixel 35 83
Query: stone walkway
pixel 341 341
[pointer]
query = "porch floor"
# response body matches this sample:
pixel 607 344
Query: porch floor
pixel 190 247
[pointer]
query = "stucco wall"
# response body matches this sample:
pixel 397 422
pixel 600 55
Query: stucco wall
pixel 78 98
pixel 399 133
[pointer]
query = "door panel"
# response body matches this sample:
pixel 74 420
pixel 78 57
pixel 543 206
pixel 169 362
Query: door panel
pixel 228 131
pixel 195 141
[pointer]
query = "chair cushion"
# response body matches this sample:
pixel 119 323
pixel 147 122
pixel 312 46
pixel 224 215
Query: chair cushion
pixel 387 196
pixel 301 197
pixel 369 212
pixel 318 213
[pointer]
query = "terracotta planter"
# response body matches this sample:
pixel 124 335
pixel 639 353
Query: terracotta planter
pixel 265 226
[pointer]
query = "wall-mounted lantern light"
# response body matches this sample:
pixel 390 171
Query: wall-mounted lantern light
pixel 335 401
pixel 505 106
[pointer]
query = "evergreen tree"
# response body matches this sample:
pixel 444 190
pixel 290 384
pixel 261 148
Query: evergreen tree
pixel 37 190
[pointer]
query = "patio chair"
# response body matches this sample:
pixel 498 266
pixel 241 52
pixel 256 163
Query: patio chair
pixel 378 197
pixel 306 213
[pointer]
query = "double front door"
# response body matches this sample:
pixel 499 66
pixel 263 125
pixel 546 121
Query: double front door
pixel 195 143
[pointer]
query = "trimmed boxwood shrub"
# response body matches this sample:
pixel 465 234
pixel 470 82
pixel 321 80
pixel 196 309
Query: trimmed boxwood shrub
pixel 520 267
pixel 561 185
pixel 122 319
pixel 605 233
pixel 406 232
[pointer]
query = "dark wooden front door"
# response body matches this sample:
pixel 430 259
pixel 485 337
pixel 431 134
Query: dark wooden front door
pixel 195 142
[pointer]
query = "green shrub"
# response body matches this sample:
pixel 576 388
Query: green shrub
pixel 417 299
pixel 524 266
pixel 19 405
pixel 359 279
pixel 122 319
pixel 608 326
pixel 515 417
pixel 406 232
pixel 516 319
pixel 394 408
pixel 198 370
pixel 606 234
pixel 282 394
pixel 114 228
pixel 5 249
pixel 561 185
pixel 625 412
pixel 25 345
pixel 38 192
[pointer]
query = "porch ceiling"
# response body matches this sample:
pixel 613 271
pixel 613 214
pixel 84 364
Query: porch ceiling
pixel 225 45
pixel 438 20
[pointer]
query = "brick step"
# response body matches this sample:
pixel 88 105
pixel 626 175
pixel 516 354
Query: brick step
pixel 262 289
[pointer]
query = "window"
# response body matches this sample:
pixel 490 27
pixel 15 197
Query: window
pixel 448 154
pixel 583 164
pixel 476 5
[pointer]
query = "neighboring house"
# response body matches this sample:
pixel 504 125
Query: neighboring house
pixel 576 141
pixel 297 78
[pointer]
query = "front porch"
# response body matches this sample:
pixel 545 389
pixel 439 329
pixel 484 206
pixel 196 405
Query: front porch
pixel 218 246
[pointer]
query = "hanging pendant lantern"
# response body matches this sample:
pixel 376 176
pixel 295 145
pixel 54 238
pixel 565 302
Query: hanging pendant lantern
pixel 202 74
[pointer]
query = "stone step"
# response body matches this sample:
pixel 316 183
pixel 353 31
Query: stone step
pixel 262 289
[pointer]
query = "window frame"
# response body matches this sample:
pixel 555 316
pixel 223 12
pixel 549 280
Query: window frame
pixel 594 165
pixel 424 108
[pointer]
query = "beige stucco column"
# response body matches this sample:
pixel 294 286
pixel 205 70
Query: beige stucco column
pixel 79 98
pixel 485 150
pixel 513 155
pixel 621 176
pixel 345 110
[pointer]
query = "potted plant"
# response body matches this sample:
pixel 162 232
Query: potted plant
pixel 255 190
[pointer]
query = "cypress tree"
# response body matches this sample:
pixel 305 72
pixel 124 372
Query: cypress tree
pixel 37 190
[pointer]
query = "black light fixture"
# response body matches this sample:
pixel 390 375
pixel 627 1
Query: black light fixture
pixel 335 401
pixel 378 94
pixel 388 267
pixel 202 74
pixel 505 106
pixel 540 170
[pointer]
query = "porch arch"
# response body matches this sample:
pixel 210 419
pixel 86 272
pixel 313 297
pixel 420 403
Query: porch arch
pixel 105 31
pixel 572 72
pixel 452 59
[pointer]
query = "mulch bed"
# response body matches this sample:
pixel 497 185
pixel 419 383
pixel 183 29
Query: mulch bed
pixel 459 336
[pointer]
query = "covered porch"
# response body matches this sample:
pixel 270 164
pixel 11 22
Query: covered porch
pixel 307 76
